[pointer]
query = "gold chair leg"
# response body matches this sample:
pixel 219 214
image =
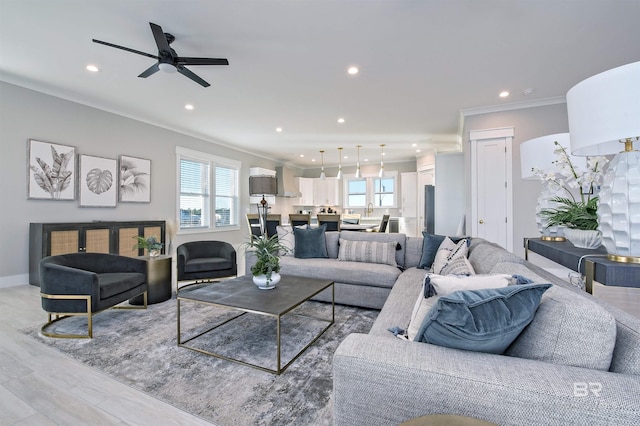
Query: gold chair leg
pixel 62 315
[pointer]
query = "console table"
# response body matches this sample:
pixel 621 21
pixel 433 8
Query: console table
pixel 594 265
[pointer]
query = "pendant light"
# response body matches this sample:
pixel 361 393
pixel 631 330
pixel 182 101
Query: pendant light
pixel 358 163
pixel 381 172
pixel 339 176
pixel 322 175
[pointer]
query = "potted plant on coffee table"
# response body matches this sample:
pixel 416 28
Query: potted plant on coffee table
pixel 267 267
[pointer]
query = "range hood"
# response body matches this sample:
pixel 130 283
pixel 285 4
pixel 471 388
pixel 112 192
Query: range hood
pixel 286 184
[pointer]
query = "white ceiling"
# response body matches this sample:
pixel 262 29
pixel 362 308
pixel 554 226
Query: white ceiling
pixel 423 63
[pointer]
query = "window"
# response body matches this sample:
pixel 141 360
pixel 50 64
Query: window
pixel 380 192
pixel 199 207
pixel 383 192
pixel 357 193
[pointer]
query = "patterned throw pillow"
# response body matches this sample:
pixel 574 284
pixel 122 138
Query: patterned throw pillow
pixel 287 239
pixel 368 251
pixel 443 285
pixel 448 252
pixel 459 266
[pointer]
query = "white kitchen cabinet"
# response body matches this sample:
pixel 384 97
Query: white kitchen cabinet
pixel 306 188
pixel 409 202
pixel 326 192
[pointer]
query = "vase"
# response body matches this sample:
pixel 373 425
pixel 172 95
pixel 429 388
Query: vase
pixel 549 191
pixel 584 238
pixel 264 284
pixel 154 253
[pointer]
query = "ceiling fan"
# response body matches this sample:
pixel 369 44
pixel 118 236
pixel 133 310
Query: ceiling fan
pixel 168 59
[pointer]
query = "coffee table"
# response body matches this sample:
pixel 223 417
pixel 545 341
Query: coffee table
pixel 242 295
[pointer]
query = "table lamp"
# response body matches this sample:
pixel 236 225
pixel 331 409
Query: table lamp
pixel 539 155
pixel 604 118
pixel 263 185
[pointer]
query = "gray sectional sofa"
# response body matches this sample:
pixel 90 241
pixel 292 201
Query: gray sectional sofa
pixel 577 363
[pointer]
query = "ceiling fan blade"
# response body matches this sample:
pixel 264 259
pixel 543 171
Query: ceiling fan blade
pixel 187 73
pixel 201 61
pixel 161 40
pixel 125 48
pixel 149 71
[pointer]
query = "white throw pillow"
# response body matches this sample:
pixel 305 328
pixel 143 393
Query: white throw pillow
pixel 287 239
pixel 448 252
pixel 444 285
pixel 422 306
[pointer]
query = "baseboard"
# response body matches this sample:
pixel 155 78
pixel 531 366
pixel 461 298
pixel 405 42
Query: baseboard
pixel 14 280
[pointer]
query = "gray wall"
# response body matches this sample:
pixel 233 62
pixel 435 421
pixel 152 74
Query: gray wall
pixel 528 123
pixel 449 193
pixel 27 114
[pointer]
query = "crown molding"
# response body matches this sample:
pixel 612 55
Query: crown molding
pixel 512 106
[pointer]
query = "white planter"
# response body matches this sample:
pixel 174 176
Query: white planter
pixel 264 284
pixel 583 238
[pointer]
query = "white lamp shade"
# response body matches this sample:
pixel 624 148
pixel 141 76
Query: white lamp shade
pixel 603 110
pixel 538 153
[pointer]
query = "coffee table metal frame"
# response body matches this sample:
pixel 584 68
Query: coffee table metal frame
pixel 278 316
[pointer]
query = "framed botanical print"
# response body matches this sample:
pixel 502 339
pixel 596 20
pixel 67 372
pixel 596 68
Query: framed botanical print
pixel 135 180
pixel 51 171
pixel 97 181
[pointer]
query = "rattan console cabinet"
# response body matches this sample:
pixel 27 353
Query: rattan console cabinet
pixel 50 239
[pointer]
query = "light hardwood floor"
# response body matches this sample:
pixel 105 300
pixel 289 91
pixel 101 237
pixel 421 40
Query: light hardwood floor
pixel 41 386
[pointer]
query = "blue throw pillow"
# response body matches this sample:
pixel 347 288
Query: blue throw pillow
pixel 481 320
pixel 310 242
pixel 430 245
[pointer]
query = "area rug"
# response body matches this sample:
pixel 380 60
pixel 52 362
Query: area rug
pixel 139 348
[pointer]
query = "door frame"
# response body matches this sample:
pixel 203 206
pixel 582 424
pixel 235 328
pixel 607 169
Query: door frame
pixel 478 136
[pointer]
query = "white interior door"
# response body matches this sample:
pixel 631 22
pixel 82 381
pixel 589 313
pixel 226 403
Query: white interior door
pixel 491 186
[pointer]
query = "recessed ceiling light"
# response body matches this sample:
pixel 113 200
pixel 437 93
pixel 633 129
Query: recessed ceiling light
pixel 188 107
pixel 418 150
pixel 353 70
pixel 414 145
pixel 366 159
pixel 313 160
pixel 504 94
pixel 92 68
pixel 279 129
pixel 340 120
pixel 301 155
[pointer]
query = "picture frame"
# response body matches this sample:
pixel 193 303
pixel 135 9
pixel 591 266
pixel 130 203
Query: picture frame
pixel 97 181
pixel 134 180
pixel 51 171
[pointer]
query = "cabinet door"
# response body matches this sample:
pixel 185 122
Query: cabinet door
pixel 127 244
pixel 97 240
pixel 326 192
pixel 63 242
pixel 305 186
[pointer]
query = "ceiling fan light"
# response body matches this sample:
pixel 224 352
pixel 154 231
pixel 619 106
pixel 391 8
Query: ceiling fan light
pixel 168 68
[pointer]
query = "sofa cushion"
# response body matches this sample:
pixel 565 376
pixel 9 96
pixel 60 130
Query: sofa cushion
pixel 371 274
pixel 202 264
pixel 568 329
pixel 332 240
pixel 481 320
pixel 368 251
pixel 113 283
pixel 447 253
pixel 310 242
pixel 430 245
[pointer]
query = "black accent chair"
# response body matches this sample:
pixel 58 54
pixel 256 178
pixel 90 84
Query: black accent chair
pixel 206 260
pixel 83 284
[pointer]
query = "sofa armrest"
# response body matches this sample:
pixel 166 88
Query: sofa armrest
pixel 60 279
pixel 381 380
